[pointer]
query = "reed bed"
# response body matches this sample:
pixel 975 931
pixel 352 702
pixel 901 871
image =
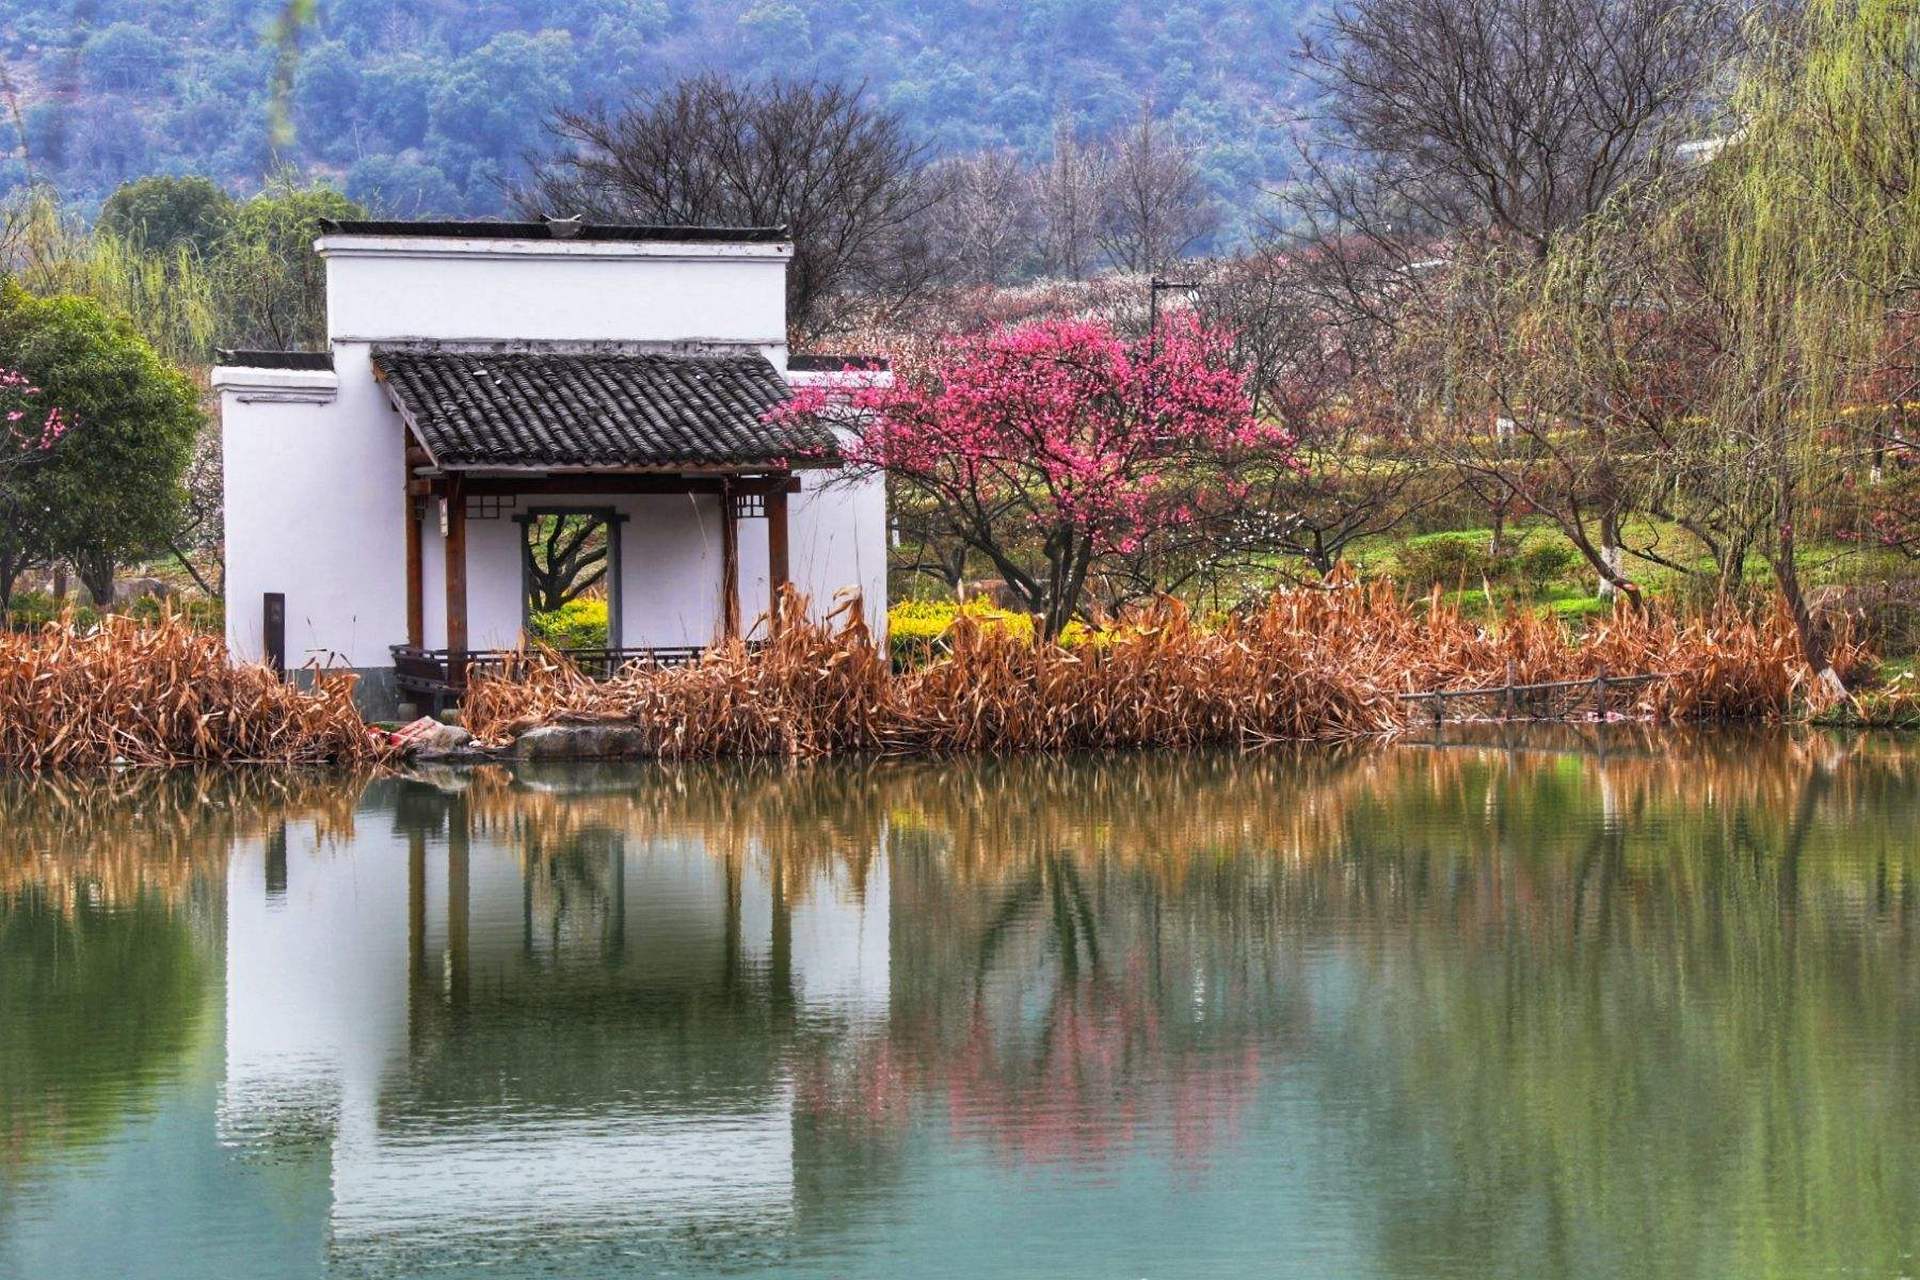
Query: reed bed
pixel 1308 666
pixel 127 692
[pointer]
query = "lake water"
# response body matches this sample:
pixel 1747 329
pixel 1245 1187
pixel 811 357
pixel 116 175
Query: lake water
pixel 1546 1006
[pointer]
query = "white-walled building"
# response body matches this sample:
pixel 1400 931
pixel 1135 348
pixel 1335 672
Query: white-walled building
pixel 479 375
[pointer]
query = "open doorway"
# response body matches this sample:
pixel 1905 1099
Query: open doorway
pixel 570 577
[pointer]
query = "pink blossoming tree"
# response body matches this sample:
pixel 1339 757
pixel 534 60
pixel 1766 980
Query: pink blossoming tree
pixel 29 427
pixel 1060 448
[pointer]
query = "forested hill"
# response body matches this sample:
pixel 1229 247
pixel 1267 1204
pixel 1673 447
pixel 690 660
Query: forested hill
pixel 417 106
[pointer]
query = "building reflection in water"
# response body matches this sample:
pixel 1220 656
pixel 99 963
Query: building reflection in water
pixel 490 1023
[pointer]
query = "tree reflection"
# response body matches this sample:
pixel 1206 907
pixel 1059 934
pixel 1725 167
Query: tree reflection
pixel 109 889
pixel 98 1007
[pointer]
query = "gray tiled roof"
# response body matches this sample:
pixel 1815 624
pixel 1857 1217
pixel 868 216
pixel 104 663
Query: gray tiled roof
pixel 563 409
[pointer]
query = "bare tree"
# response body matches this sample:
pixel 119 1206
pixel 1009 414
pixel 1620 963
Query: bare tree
pixel 565 555
pixel 1467 136
pixel 1071 188
pixel 985 224
pixel 1528 410
pixel 1440 124
pixel 1516 118
pixel 1155 207
pixel 198 542
pixel 817 158
pixel 1319 372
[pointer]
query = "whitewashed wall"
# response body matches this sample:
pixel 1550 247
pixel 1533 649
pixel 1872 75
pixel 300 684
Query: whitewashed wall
pixel 315 511
pixel 392 289
pixel 839 535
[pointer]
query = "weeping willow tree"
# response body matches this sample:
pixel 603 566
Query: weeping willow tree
pixel 169 296
pixel 1554 368
pixel 1695 350
pixel 1803 240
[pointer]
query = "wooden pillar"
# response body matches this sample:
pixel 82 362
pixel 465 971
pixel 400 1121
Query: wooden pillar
pixel 416 593
pixel 616 586
pixel 729 565
pixel 455 496
pixel 415 508
pixel 776 553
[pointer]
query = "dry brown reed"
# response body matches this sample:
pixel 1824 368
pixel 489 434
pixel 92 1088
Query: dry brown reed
pixel 1309 666
pixel 161 694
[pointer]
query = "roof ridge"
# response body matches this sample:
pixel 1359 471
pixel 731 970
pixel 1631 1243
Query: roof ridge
pixel 558 231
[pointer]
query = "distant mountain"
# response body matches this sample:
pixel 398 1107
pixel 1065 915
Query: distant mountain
pixel 421 106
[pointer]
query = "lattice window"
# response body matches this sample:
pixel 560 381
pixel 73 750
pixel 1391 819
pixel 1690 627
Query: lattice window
pixel 749 506
pixel 490 506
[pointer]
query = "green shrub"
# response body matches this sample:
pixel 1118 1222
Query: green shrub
pixel 577 624
pixel 914 629
pixel 1447 561
pixel 35 609
pixel 32 610
pixel 1580 608
pixel 208 616
pixel 1542 562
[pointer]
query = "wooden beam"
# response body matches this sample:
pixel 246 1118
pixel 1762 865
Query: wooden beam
pixel 776 554
pixel 729 568
pixel 599 483
pixel 456 540
pixel 416 576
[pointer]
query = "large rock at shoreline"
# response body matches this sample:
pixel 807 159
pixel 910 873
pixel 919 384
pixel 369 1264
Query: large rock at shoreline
pixel 427 739
pixel 581 742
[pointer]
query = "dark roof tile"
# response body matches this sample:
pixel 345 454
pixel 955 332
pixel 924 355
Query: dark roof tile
pixel 610 410
pixel 314 360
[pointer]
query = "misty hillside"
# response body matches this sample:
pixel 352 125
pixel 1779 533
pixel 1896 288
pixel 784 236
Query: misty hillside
pixel 421 106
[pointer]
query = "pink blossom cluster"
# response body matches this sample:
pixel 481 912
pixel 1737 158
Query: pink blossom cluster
pixel 33 427
pixel 1067 423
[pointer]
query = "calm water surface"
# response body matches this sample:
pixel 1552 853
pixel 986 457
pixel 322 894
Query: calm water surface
pixel 1511 1009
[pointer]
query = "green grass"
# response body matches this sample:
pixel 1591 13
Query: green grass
pixel 1572 594
pixel 1822 562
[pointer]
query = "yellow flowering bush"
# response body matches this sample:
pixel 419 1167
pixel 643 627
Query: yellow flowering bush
pixel 916 628
pixel 578 624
